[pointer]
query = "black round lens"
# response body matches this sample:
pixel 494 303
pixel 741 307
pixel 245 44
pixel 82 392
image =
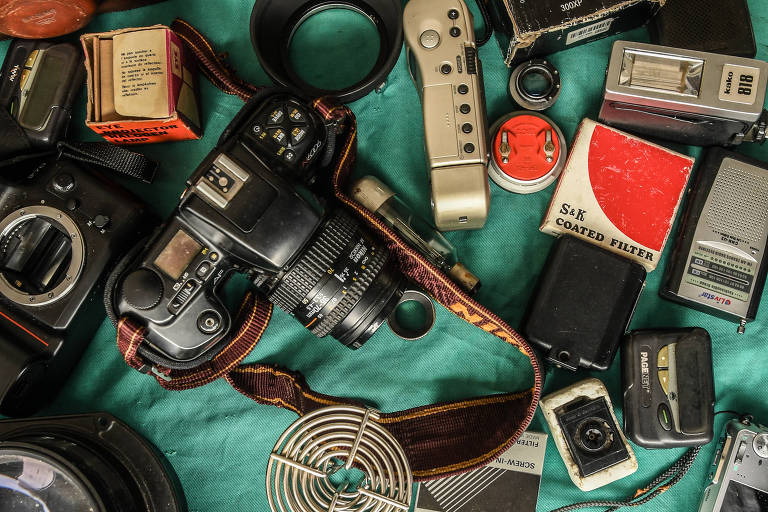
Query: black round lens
pixel 85 463
pixel 537 83
pixel 319 49
pixel 343 284
pixel 593 435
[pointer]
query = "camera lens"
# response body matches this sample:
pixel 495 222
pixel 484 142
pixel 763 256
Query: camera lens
pixel 535 85
pixel 41 255
pixel 593 435
pixel 343 284
pixel 88 462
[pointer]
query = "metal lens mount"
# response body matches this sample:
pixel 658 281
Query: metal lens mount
pixel 535 97
pixel 408 332
pixel 327 442
pixel 59 220
pixel 274 22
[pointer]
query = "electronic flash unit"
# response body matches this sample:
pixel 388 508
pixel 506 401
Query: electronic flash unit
pixel 685 96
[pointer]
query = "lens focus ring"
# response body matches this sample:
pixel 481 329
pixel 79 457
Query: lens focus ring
pixel 313 265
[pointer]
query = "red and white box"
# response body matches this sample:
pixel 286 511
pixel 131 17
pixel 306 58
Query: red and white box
pixel 619 192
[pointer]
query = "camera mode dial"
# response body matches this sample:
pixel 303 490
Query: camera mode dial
pixel 142 289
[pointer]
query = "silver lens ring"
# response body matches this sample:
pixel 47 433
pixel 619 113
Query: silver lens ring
pixel 410 333
pixel 57 217
pixel 540 98
pixel 331 440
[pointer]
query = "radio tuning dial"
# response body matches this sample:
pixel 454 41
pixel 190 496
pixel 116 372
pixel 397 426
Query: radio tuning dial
pixel 142 289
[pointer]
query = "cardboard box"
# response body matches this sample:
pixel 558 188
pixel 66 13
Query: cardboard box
pixel 142 86
pixel 619 192
pixel 527 29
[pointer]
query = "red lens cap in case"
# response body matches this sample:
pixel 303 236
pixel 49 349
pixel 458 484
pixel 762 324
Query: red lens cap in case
pixel 528 152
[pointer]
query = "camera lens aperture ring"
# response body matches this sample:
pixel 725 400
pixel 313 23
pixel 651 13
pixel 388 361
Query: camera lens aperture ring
pixel 535 98
pixel 353 295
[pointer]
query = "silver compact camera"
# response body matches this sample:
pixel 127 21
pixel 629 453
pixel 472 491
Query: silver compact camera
pixel 685 96
pixel 739 474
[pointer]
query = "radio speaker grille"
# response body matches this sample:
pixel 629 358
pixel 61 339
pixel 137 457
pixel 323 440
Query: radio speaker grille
pixel 739 204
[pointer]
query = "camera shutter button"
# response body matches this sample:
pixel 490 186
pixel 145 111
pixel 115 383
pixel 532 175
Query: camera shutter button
pixel 429 39
pixel 142 289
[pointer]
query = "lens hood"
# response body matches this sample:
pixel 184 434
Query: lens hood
pixel 273 23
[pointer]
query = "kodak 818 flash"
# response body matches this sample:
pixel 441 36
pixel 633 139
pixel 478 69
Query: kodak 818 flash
pixel 719 263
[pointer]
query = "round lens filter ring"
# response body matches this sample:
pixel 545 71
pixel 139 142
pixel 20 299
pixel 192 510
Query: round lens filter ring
pixel 528 152
pixel 534 97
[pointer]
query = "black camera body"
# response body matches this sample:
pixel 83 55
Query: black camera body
pixel 61 227
pixel 247 209
pixel 39 82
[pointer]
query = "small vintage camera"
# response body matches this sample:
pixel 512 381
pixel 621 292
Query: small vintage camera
pixel 38 85
pixel 587 434
pixel 738 478
pixel 669 389
pixel 61 227
pixel 246 209
pixel 685 96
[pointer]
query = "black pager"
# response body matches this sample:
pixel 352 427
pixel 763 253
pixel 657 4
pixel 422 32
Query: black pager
pixel 719 264
pixel 39 82
pixel 583 304
pixel 669 391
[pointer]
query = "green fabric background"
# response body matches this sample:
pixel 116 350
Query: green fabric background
pixel 218 441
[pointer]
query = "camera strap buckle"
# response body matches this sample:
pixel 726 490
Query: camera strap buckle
pixel 152 370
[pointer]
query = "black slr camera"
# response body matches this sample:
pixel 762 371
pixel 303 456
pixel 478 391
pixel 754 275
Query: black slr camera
pixel 248 208
pixel 61 227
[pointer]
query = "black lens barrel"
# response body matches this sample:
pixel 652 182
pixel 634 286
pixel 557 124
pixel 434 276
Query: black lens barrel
pixel 344 284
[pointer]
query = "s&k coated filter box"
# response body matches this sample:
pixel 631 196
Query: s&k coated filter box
pixel 142 86
pixel 619 192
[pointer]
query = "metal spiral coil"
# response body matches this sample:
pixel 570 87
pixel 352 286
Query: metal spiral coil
pixel 308 459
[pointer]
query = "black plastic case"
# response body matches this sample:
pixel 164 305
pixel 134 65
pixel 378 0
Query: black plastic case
pixel 719 26
pixel 583 304
pixel 648 417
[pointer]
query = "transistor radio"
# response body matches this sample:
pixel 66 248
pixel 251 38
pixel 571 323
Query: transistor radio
pixel 718 263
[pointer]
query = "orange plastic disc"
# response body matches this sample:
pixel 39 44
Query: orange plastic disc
pixel 527 159
pixel 39 19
